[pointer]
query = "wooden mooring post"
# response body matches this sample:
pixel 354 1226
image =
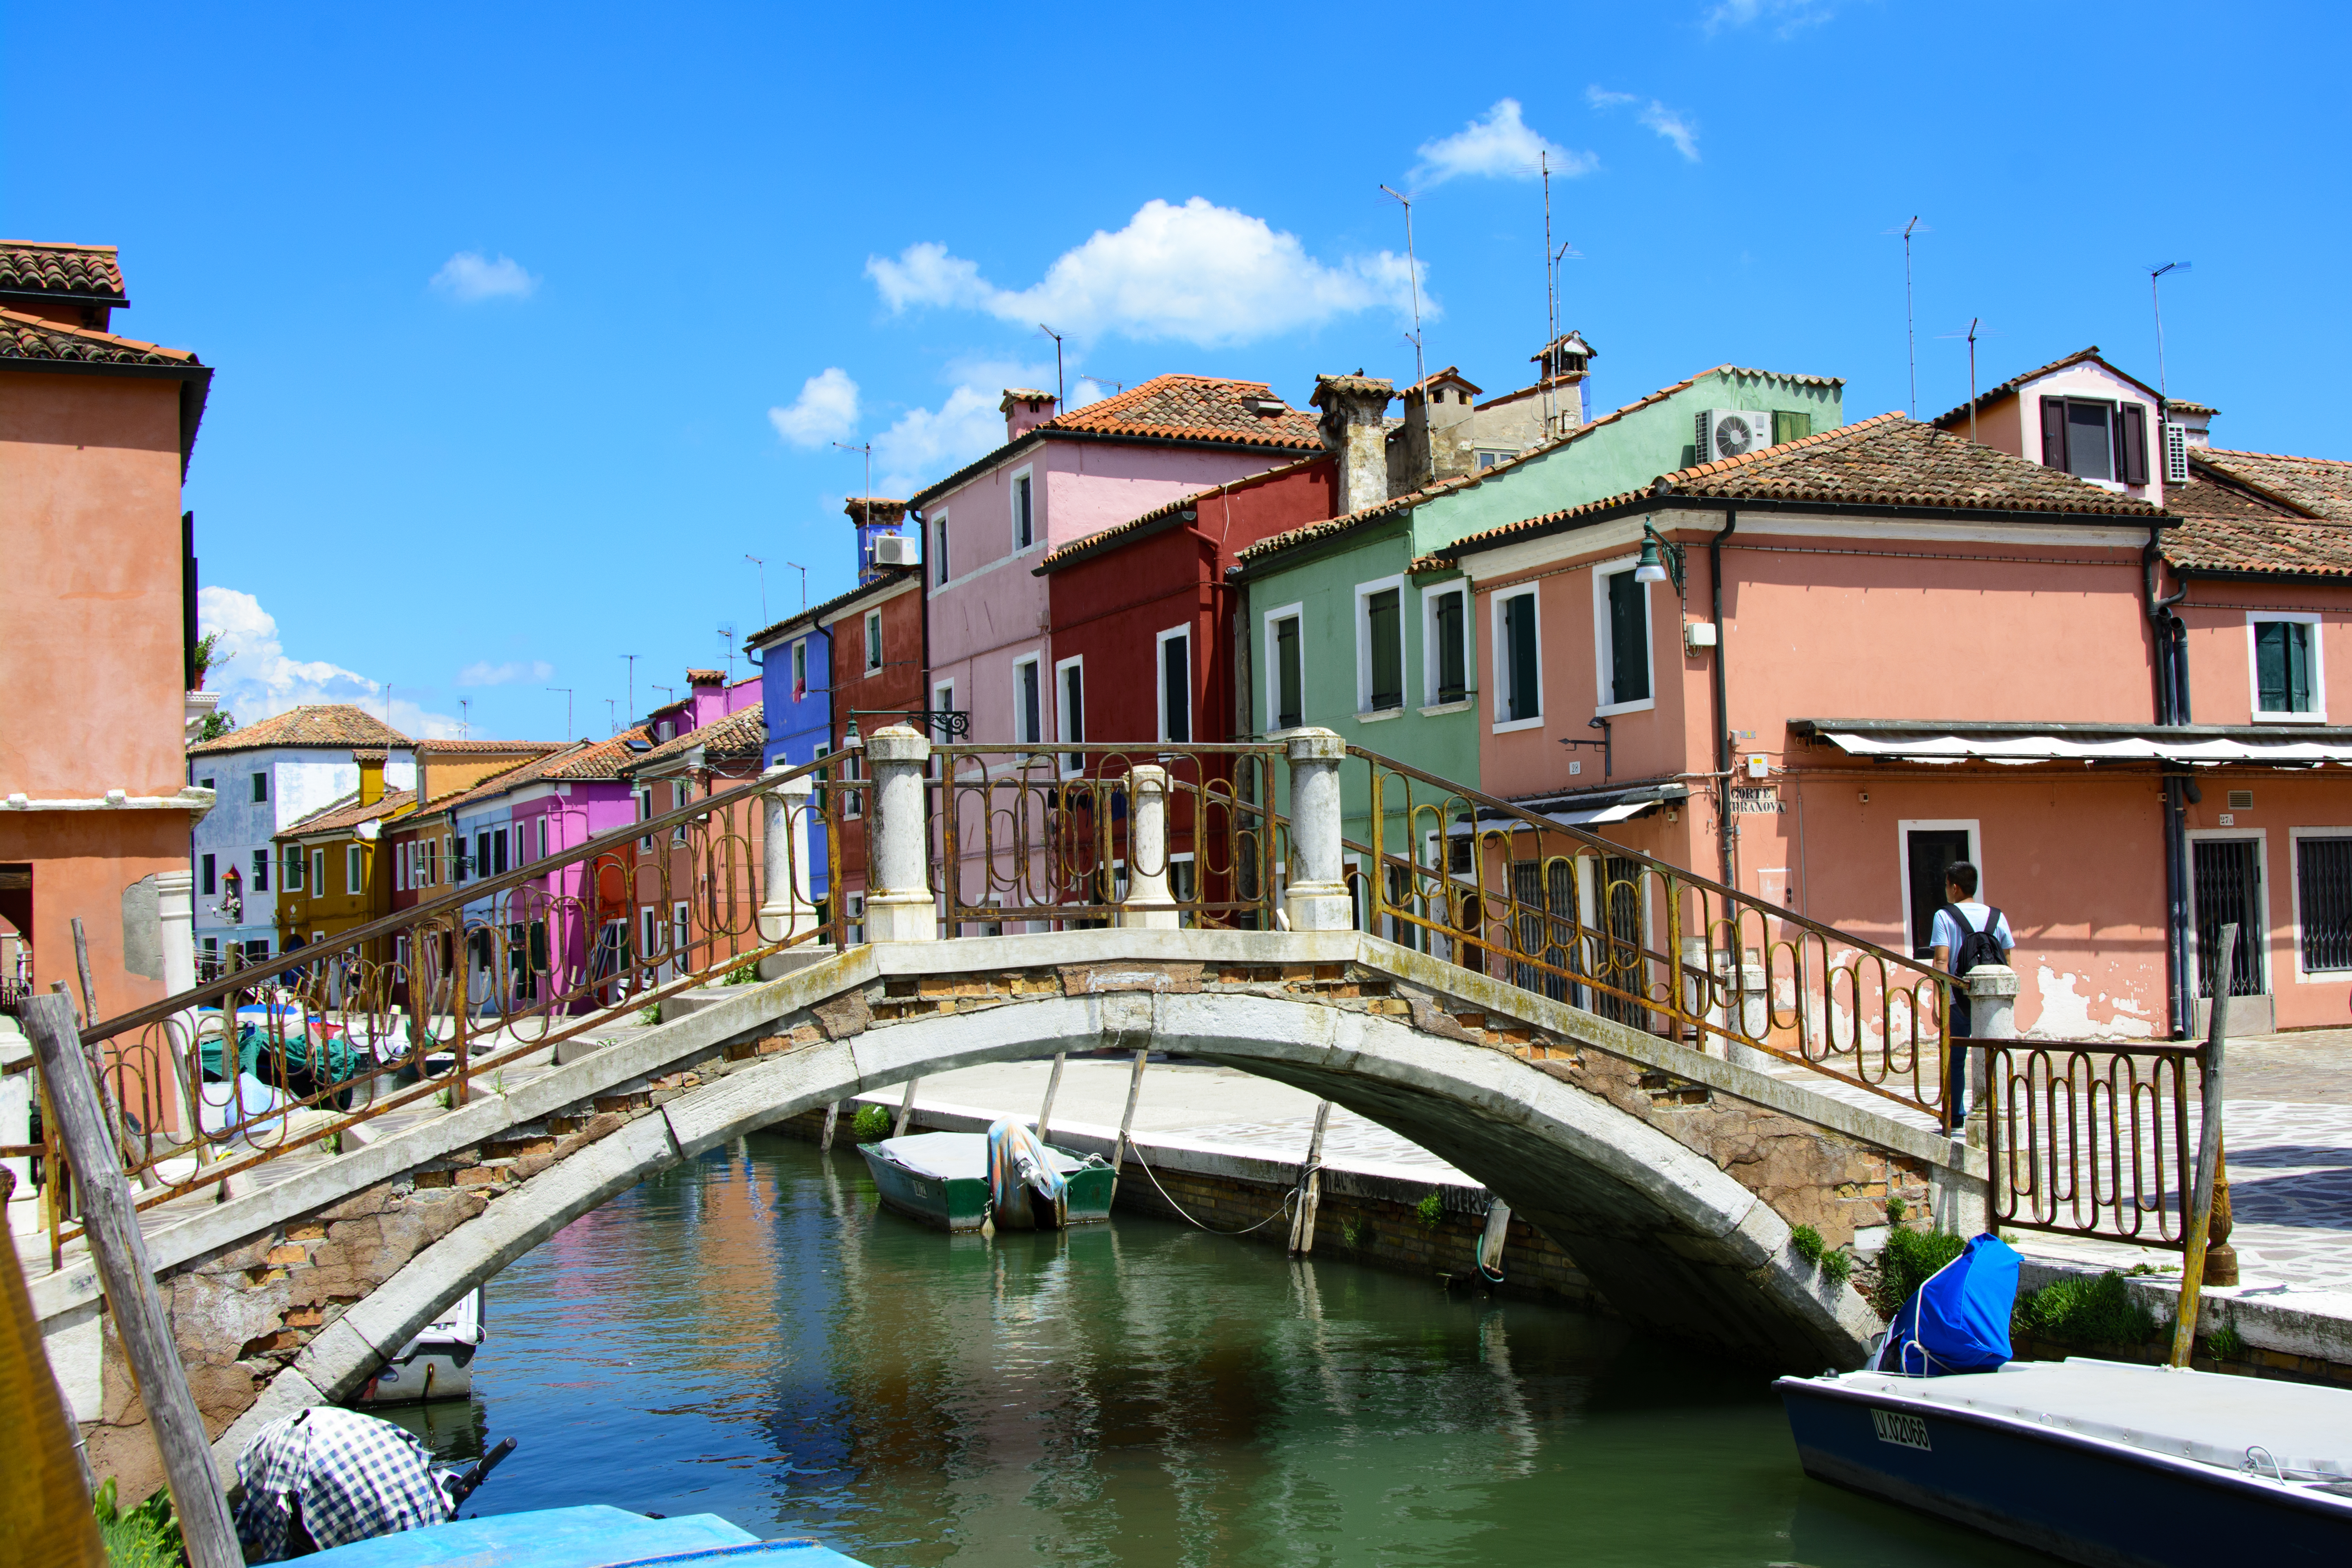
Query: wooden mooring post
pixel 2208 1154
pixel 1310 1187
pixel 112 1221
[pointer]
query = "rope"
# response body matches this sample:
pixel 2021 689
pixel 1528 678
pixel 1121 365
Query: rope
pixel 1212 1229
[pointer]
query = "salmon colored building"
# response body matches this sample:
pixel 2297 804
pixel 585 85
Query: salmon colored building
pixel 1822 672
pixel 874 636
pixel 97 659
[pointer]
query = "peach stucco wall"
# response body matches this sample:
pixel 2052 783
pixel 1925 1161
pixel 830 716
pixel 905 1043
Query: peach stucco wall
pixel 2221 649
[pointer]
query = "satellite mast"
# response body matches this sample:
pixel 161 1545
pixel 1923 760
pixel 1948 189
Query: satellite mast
pixel 1412 276
pixel 2155 299
pixel 1910 331
pixel 1060 396
pixel 1972 375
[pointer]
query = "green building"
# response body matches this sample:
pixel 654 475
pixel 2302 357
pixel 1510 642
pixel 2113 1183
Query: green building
pixel 1351 626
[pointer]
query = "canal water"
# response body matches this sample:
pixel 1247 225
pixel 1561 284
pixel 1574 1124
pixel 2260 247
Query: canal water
pixel 750 1335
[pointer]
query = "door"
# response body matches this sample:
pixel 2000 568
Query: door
pixel 2228 888
pixel 1928 853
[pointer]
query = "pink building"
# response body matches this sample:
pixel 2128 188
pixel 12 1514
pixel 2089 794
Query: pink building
pixel 1868 653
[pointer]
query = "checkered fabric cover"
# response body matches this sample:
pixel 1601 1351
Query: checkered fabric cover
pixel 354 1477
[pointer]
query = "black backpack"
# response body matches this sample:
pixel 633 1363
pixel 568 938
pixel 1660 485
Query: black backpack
pixel 1978 946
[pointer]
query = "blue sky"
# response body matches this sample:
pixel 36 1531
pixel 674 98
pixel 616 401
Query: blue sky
pixel 530 324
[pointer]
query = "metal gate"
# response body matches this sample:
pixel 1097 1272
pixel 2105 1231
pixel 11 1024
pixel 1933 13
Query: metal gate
pixel 2229 882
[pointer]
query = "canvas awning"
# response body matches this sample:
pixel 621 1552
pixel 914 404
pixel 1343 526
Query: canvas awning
pixel 1575 811
pixel 2206 746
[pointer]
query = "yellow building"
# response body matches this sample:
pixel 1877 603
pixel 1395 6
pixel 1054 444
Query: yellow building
pixel 332 873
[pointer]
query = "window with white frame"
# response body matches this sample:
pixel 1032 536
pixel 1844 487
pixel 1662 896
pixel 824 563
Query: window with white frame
pixel 498 852
pixel 800 668
pixel 854 909
pixel 1025 511
pixel 940 548
pixel 318 871
pixel 294 872
pixel 542 835
pixel 353 868
pixel 680 793
pixel 872 642
pixel 2282 648
pixel 1518 649
pixel 2095 438
pixel 1284 669
pixel 1380 646
pixel 400 871
pixel 645 794
pixel 1445 645
pixel 1175 666
pixel 1620 626
pixel 2323 900
pixel 1028 701
pixel 681 935
pixel 261 871
pixel 853 768
pixel 1070 709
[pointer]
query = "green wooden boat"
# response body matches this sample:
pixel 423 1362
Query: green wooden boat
pixel 941 1179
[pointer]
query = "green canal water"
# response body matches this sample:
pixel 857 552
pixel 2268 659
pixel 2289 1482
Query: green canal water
pixel 750 1335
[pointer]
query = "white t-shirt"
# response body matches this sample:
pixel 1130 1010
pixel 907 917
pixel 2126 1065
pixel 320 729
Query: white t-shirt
pixel 1949 937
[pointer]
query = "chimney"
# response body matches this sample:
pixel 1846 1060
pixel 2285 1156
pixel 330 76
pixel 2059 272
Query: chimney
pixel 371 763
pixel 1025 409
pixel 1355 429
pixel 872 517
pixel 1566 362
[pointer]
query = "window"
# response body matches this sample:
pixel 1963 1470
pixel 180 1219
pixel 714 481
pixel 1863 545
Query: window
pixel 681 937
pixel 354 871
pixel 1070 710
pixel 853 800
pixel 1025 512
pixel 664 731
pixel 853 907
pixel 1790 427
pixel 649 919
pixel 1028 701
pixel 800 670
pixel 318 871
pixel 2095 440
pixel 1517 641
pixel 645 794
pixel 679 794
pixel 206 873
pixel 293 883
pixel 943 698
pixel 261 786
pixel 2286 652
pixel 400 869
pixel 1488 459
pixel 203 784
pixel 497 851
pixel 481 855
pixel 1176 684
pixel 872 641
pixel 2323 902
pixel 1621 619
pixel 543 836
pixel 940 548
pixel 261 871
pixel 1445 660
pixel 1380 646
pixel 1285 683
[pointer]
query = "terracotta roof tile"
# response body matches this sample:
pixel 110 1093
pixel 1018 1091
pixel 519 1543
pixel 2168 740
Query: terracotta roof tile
pixel 705 677
pixel 2289 546
pixel 26 337
pixel 1093 543
pixel 579 759
pixel 2253 512
pixel 2318 486
pixel 1887 461
pixel 1993 394
pixel 332 725
pixel 348 813
pixel 742 734
pixel 67 272
pixel 491 747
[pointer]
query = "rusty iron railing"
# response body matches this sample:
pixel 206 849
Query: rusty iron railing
pixel 2093 1140
pixel 1554 909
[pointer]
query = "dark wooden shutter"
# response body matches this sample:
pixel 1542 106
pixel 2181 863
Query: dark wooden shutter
pixel 2053 433
pixel 2131 440
pixel 1452 682
pixel 1176 686
pixel 1287 673
pixel 1519 630
pixel 1383 614
pixel 1629 639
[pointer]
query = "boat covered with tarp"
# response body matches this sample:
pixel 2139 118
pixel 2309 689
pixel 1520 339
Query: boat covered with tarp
pixel 958 1180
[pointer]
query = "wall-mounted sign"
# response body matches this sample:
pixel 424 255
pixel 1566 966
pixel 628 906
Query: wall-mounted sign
pixel 1760 801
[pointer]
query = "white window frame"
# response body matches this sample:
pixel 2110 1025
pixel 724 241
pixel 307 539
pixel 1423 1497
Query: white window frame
pixel 853 911
pixel 938 533
pixel 290 879
pixel 1430 706
pixel 1036 661
pixel 1020 476
pixel 1159 683
pixel 2262 842
pixel 874 642
pixel 2317 714
pixel 1294 611
pixel 354 869
pixel 542 835
pixel 1503 725
pixel 1604 660
pixel 1061 712
pixel 799 668
pixel 853 802
pixel 1903 828
pixel 1365 712
pixel 318 872
pixel 2295 837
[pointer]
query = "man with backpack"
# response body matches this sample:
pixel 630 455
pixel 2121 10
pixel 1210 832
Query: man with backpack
pixel 1965 934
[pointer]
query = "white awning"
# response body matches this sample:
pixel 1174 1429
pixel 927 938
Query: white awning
pixel 1930 747
pixel 1584 816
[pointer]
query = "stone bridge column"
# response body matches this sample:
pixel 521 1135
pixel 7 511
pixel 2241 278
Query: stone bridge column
pixel 899 902
pixel 1147 846
pixel 1992 1006
pixel 176 915
pixel 1316 898
pixel 787 909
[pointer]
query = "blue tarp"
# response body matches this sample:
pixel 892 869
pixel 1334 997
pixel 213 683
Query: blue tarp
pixel 1958 1321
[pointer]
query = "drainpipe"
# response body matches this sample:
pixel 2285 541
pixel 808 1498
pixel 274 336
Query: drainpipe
pixel 2171 637
pixel 1722 715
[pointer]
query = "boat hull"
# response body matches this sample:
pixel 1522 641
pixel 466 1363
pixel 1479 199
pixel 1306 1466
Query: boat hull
pixel 960 1202
pixel 2081 1498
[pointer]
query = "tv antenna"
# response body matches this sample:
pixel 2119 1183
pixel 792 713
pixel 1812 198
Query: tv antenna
pixel 763 585
pixel 633 684
pixel 803 572
pixel 464 718
pixel 1910 329
pixel 567 709
pixel 1412 276
pixel 612 717
pixel 1975 332
pixel 1059 395
pixel 2155 299
pixel 726 639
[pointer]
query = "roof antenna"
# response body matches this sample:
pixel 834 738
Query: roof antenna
pixel 464 718
pixel 1972 376
pixel 1412 276
pixel 567 707
pixel 2156 300
pixel 727 639
pixel 803 572
pixel 633 685
pixel 762 565
pixel 1060 396
pixel 1551 299
pixel 1910 332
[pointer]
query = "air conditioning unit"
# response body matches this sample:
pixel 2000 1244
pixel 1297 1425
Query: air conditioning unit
pixel 1733 432
pixel 895 550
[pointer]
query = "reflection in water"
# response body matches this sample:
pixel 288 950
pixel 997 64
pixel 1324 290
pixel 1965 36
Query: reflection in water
pixel 750 1335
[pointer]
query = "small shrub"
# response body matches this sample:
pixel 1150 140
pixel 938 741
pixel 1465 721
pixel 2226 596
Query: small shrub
pixel 1807 1242
pixel 741 975
pixel 1838 1265
pixel 2087 1311
pixel 1908 1259
pixel 1429 1211
pixel 1896 1209
pixel 2225 1343
pixel 1354 1234
pixel 871 1124
pixel 147 1536
pixel 649 1015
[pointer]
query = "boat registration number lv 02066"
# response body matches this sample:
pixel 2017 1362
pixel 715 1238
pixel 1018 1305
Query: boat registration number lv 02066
pixel 1894 1426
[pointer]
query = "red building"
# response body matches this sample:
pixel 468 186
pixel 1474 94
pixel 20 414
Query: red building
pixel 875 634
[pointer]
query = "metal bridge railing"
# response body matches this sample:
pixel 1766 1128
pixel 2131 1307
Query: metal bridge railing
pixel 2093 1141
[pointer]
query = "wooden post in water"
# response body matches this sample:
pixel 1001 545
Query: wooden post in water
pixel 112 1221
pixel 1053 1088
pixel 2208 1154
pixel 1310 1193
pixel 1127 1120
pixel 832 1115
pixel 905 1109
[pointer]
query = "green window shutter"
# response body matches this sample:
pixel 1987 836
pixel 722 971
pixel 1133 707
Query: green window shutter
pixel 1452 676
pixel 2283 682
pixel 1287 714
pixel 1787 426
pixel 1384 619
pixel 1519 632
pixel 1629 639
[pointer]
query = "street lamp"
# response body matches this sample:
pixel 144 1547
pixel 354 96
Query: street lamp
pixel 1662 560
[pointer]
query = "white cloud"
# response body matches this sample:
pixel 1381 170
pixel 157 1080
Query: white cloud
pixel 1789 16
pixel 469 276
pixel 1671 124
pixel 827 410
pixel 256 680
pixel 481 672
pixel 1197 273
pixel 1500 146
pixel 925 444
